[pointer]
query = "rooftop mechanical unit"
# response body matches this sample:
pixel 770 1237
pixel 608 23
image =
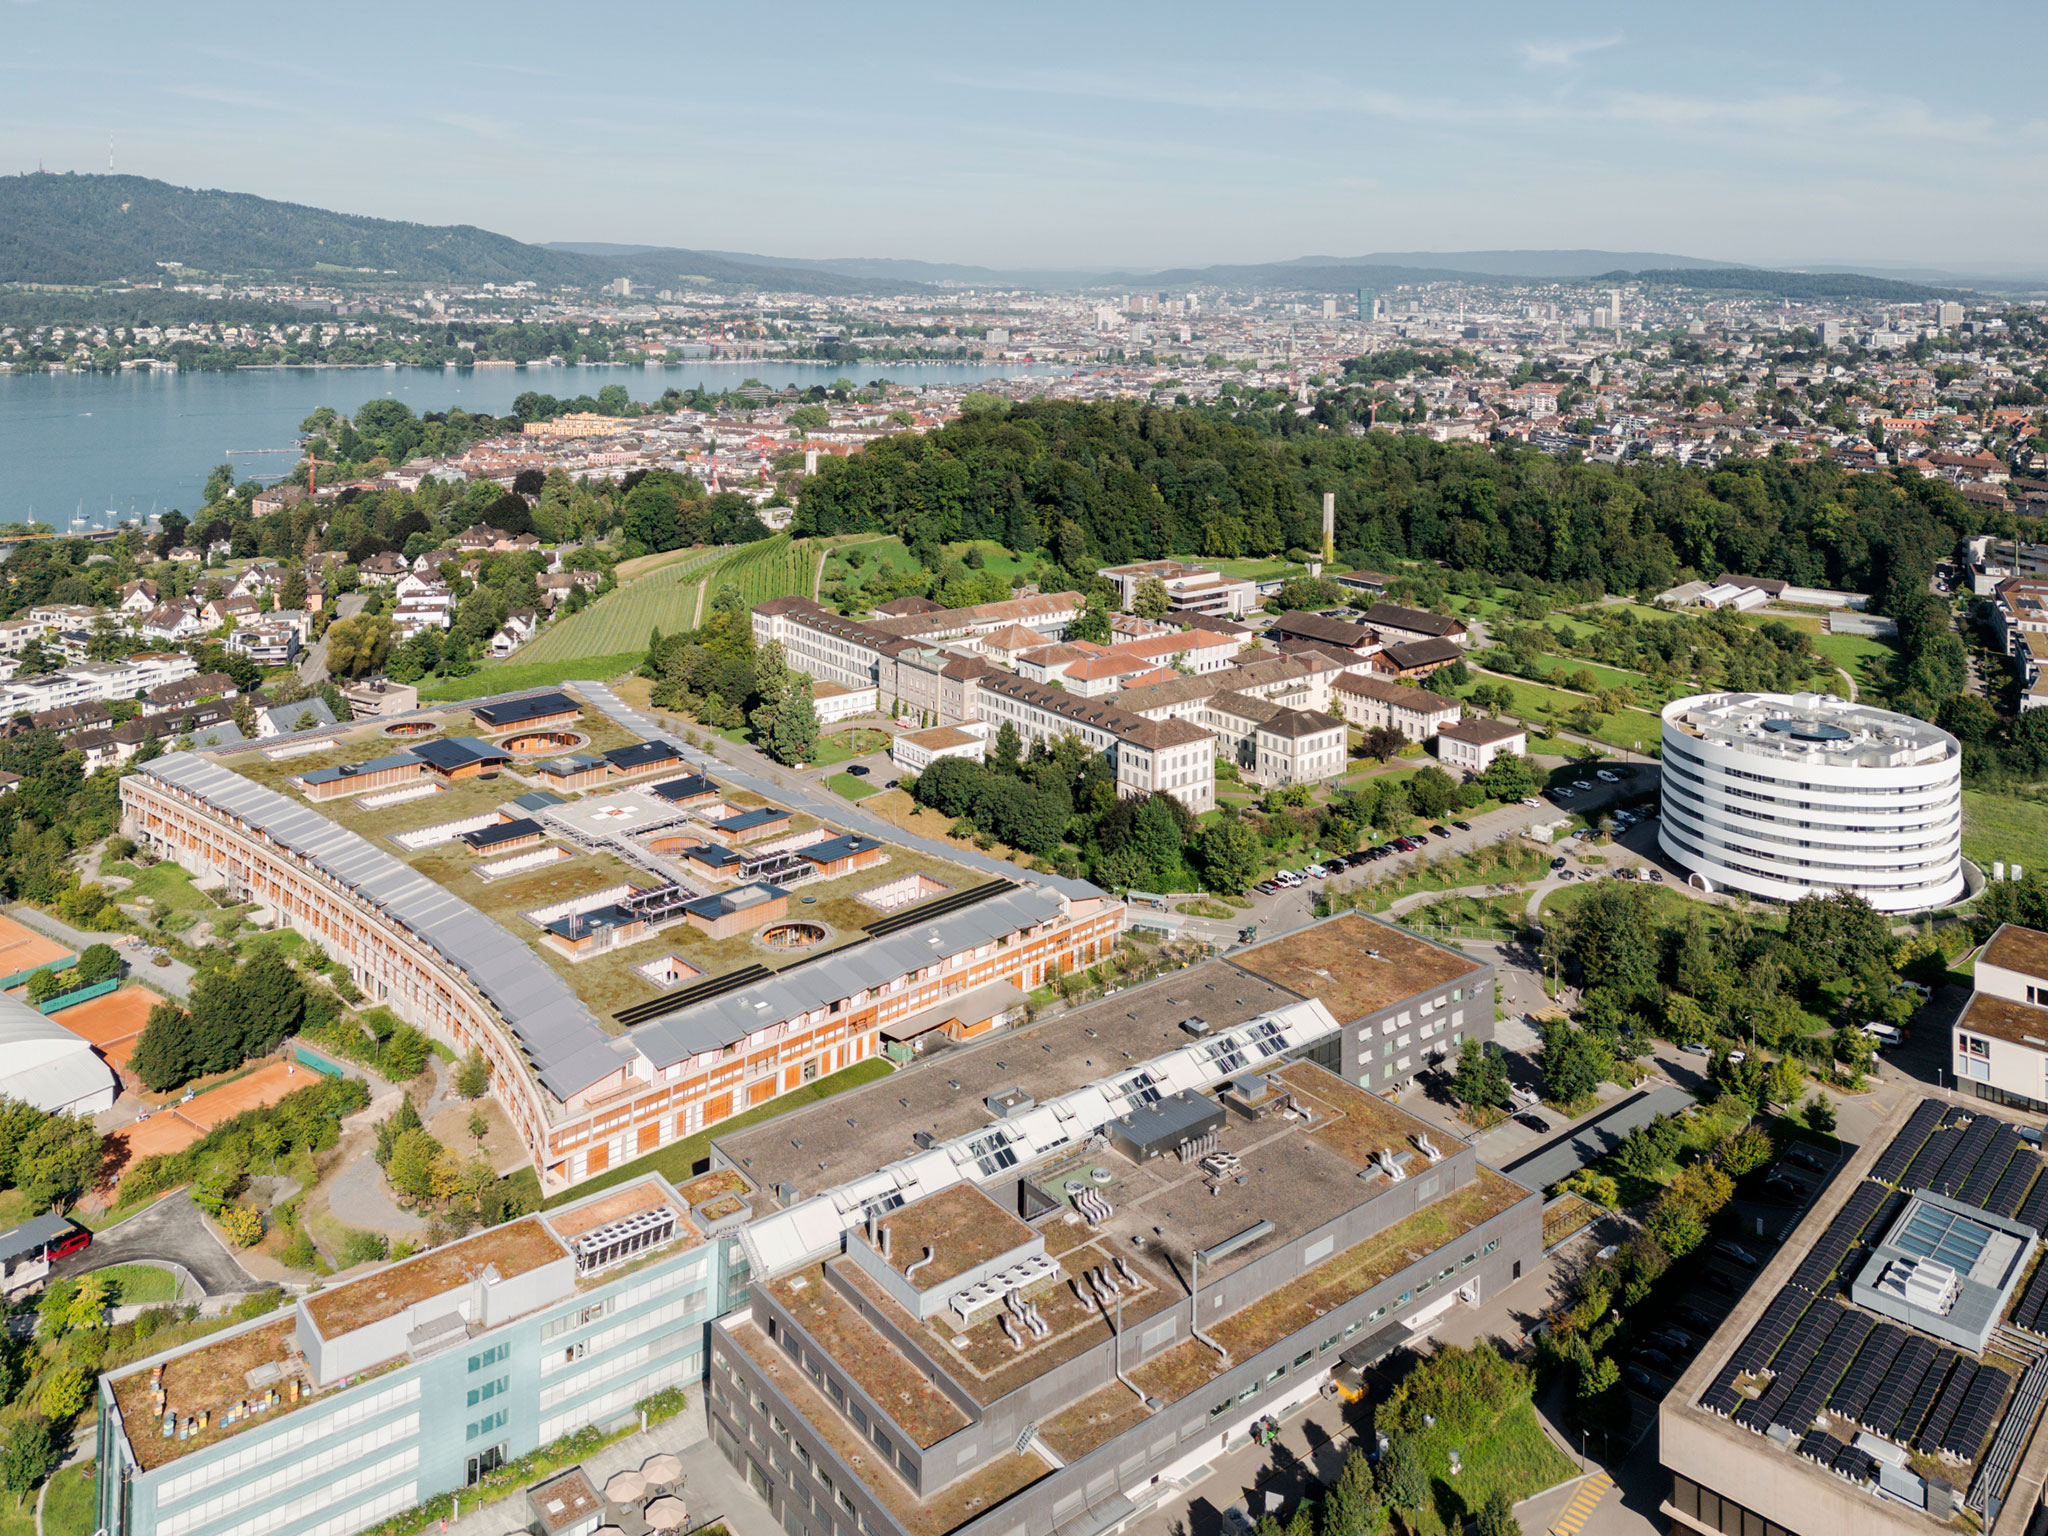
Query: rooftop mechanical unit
pixel 620 1240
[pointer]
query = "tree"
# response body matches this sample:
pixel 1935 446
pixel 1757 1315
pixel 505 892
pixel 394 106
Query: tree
pixel 1509 778
pixel 1403 1480
pixel 1575 1063
pixel 1497 1516
pixel 1785 1080
pixel 163 1058
pixel 97 963
pixel 31 1454
pixel 478 1125
pixel 1614 938
pixel 1819 1114
pixel 359 645
pixel 1381 743
pixel 1230 854
pixel 243 1226
pixel 473 1075
pixel 1432 792
pixel 1481 1078
pixel 1151 600
pixel 1006 755
pixel 1093 623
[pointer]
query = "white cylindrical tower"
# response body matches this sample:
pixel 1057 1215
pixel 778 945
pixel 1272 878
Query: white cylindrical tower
pixel 1791 795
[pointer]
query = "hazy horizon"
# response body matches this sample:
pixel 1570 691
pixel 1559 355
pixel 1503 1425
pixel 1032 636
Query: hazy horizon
pixel 1145 138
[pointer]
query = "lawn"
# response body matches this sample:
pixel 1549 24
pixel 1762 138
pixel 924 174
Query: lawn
pixel 167 886
pixel 17 1516
pixel 1868 661
pixel 847 787
pixel 1258 570
pixel 69 1505
pixel 494 677
pixel 845 746
pixel 139 1284
pixel 664 598
pixel 994 557
pixel 1517 1458
pixel 1634 730
pixel 678 1160
pixel 1558 668
pixel 2004 827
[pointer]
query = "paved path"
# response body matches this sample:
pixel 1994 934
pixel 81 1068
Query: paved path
pixel 174 979
pixel 169 1232
pixel 357 1197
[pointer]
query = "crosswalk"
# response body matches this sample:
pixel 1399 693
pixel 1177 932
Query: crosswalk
pixel 1572 1519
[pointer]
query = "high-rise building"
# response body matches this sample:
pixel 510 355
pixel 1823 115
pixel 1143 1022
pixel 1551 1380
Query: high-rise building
pixel 1614 308
pixel 1948 315
pixel 1368 306
pixel 1329 309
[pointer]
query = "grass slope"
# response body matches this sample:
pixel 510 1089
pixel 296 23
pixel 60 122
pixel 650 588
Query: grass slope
pixel 511 676
pixel 2004 828
pixel 619 621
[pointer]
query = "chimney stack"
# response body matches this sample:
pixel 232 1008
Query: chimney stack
pixel 1329 528
pixel 885 1241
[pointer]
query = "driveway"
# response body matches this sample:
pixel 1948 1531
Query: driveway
pixel 170 1232
pixel 174 979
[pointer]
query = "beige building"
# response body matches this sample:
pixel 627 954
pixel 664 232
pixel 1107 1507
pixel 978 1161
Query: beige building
pixel 1377 703
pixel 1276 744
pixel 1171 756
pixel 1189 588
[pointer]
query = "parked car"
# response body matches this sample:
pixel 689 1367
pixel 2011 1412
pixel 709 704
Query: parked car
pixel 1639 1378
pixel 1532 802
pixel 1567 874
pixel 1675 1339
pixel 1462 826
pixel 1736 1253
pixel 1558 862
pixel 75 1241
pixel 1582 784
pixel 892 784
pixel 859 770
pixel 1696 1048
pixel 1723 1282
pixel 1783 1186
pixel 1534 1121
pixel 1439 830
pixel 1806 1157
pixel 1268 887
pixel 1884 1034
pixel 1656 1359
pixel 1737 1058
pixel 1563 792
pixel 1657 875
pixel 1693 1317
pixel 1605 776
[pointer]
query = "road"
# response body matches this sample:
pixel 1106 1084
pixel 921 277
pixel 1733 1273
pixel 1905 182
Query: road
pixel 174 979
pixel 313 668
pixel 169 1232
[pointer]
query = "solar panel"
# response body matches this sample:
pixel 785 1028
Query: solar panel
pixel 1925 1169
pixel 2027 1312
pixel 1936 1431
pixel 1914 1419
pixel 1851 1398
pixel 1979 1411
pixel 1962 1162
pixel 1830 1248
pixel 1771 1330
pixel 1893 1161
pixel 1990 1169
pixel 1721 1397
pixel 2013 1185
pixel 2034 1209
pixel 1856 1465
pixel 1814 1388
pixel 1888 1404
pixel 1818 1445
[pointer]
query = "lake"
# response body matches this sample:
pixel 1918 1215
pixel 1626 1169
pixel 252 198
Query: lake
pixel 134 442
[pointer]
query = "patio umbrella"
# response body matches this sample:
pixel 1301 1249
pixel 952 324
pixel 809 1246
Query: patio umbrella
pixel 625 1487
pixel 662 1469
pixel 608 1530
pixel 667 1514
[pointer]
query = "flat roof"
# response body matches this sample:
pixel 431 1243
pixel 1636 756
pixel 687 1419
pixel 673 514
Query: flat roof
pixel 961 1226
pixel 1814 727
pixel 536 706
pixel 2017 949
pixel 1355 964
pixel 857 1132
pixel 512 1249
pixel 2003 1019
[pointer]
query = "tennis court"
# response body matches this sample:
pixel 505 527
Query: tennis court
pixel 175 1127
pixel 111 1025
pixel 23 949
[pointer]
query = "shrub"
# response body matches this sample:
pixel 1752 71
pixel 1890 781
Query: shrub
pixel 364 1248
pixel 243 1226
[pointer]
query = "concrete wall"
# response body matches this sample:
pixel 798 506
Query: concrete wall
pixel 1371 1049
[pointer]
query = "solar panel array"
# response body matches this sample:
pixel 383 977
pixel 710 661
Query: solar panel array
pixel 1814 1352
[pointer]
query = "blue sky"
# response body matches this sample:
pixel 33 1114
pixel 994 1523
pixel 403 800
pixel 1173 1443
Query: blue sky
pixel 1050 134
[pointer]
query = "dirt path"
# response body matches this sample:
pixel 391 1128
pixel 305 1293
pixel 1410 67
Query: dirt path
pixel 818 576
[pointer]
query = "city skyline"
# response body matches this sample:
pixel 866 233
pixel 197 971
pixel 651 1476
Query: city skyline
pixel 1147 139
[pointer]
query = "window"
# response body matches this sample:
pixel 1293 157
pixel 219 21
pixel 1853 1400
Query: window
pixel 485 1426
pixel 489 1357
pixel 489 1390
pixel 485 1461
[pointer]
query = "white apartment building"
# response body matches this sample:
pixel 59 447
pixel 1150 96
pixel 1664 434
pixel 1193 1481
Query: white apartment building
pixel 101 680
pixel 1276 744
pixel 1189 588
pixel 1377 703
pixel 2000 1044
pixel 1473 744
pixel 1173 756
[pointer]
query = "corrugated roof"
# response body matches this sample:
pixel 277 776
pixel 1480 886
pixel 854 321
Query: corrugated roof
pixel 717 1022
pixel 561 1038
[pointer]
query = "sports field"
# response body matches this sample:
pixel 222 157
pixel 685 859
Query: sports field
pixel 176 1127
pixel 23 949
pixel 111 1024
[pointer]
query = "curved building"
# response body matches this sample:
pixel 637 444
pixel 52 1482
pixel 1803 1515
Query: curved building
pixel 1791 795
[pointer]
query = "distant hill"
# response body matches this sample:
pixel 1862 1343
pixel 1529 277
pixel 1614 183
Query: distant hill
pixel 68 229
pixel 1788 285
pixel 1525 264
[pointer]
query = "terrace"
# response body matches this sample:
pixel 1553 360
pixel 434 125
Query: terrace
pixel 209 1379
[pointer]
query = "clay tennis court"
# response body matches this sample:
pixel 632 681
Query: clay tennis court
pixel 23 949
pixel 174 1128
pixel 111 1024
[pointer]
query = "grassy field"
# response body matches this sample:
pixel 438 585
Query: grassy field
pixel 139 1284
pixel 1640 687
pixel 1630 729
pixel 845 746
pixel 664 597
pixel 847 787
pixel 164 884
pixel 1515 1458
pixel 512 676
pixel 678 1160
pixel 68 1506
pixel 17 1516
pixel 771 568
pixel 2004 827
pixel 1868 661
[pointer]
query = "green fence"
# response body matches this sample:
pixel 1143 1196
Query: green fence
pixel 318 1063
pixel 20 976
pixel 82 995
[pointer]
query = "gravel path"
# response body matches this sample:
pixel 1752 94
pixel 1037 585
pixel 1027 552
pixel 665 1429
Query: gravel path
pixel 356 1197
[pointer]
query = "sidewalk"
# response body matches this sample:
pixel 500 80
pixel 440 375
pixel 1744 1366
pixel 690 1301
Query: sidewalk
pixel 174 979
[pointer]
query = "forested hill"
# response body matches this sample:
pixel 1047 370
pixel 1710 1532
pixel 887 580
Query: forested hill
pixel 1105 483
pixel 69 229
pixel 1788 285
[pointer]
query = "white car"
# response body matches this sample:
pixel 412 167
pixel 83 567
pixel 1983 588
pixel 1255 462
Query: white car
pixel 1532 802
pixel 1605 777
pixel 1316 870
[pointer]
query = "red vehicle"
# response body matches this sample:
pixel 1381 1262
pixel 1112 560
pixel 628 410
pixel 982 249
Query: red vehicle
pixel 74 1241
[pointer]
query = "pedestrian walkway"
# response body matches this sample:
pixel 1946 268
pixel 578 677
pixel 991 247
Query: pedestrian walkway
pixel 1574 1516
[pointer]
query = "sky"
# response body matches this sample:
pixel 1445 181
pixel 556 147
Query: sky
pixel 1063 135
